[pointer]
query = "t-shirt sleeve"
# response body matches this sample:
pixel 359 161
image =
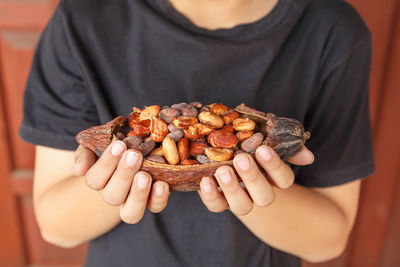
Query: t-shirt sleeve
pixel 57 104
pixel 339 122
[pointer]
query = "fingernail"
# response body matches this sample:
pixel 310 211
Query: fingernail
pixel 159 190
pixel 225 177
pixel 117 148
pixel 131 158
pixel 264 153
pixel 243 163
pixel 206 185
pixel 141 181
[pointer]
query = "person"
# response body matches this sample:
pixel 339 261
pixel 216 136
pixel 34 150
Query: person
pixel 305 59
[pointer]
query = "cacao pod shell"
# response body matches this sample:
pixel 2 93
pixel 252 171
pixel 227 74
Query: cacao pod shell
pixel 285 135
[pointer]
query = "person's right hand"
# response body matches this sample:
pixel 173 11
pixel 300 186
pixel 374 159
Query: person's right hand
pixel 116 175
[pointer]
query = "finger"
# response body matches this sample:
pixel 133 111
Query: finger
pixel 303 157
pixel 280 173
pixel 158 197
pixel 257 185
pixel 238 200
pixel 133 209
pixel 84 158
pixel 211 197
pixel 99 174
pixel 117 188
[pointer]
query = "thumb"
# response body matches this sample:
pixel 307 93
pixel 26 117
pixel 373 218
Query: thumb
pixel 84 159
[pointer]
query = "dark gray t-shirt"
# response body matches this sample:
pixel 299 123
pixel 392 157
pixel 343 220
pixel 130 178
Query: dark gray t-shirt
pixel 307 59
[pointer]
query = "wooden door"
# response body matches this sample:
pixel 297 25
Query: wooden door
pixel 376 238
pixel 21 22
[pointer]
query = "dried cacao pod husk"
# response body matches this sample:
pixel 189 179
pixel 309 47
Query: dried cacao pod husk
pixel 285 135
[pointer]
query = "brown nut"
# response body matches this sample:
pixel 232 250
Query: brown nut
pixel 157 159
pixel 243 124
pixel 146 147
pixel 250 144
pixel 186 109
pixel 159 129
pixel 139 130
pixel 149 112
pixel 169 114
pixel 133 118
pixel 189 162
pixel 191 132
pixel 222 139
pixel 184 121
pixel 176 135
pixel 157 152
pixel 210 118
pixel 170 151
pixel 196 147
pixel 219 108
pixel 219 154
pixel 204 129
pixel 228 128
pixel 172 127
pixel 183 148
pixel 243 135
pixel 230 116
pixel 133 142
pixel 196 104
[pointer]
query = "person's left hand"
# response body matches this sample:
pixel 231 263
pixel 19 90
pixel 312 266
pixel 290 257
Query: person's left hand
pixel 258 190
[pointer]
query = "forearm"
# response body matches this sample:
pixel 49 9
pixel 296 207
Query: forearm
pixel 302 222
pixel 70 213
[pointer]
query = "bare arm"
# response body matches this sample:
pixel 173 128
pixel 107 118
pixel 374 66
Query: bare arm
pixel 313 224
pixel 69 212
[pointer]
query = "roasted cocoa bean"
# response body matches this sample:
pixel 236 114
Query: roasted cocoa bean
pixel 196 104
pixel 139 130
pixel 219 108
pixel 133 142
pixel 157 152
pixel 186 109
pixel 157 159
pixel 176 135
pixel 250 144
pixel 169 114
pixel 243 135
pixel 184 121
pixel 243 124
pixel 146 147
pixel 219 154
pixel 172 127
pixel 203 159
pixel 170 150
pixel 210 118
pixel 183 148
pixel 149 112
pixel 191 132
pixel 222 139
pixel 228 128
pixel 204 129
pixel 159 129
pixel 197 147
pixel 229 116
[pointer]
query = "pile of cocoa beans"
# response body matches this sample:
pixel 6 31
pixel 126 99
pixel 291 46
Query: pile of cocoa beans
pixel 188 134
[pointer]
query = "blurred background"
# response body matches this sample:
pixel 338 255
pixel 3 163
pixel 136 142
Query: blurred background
pixel 375 240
